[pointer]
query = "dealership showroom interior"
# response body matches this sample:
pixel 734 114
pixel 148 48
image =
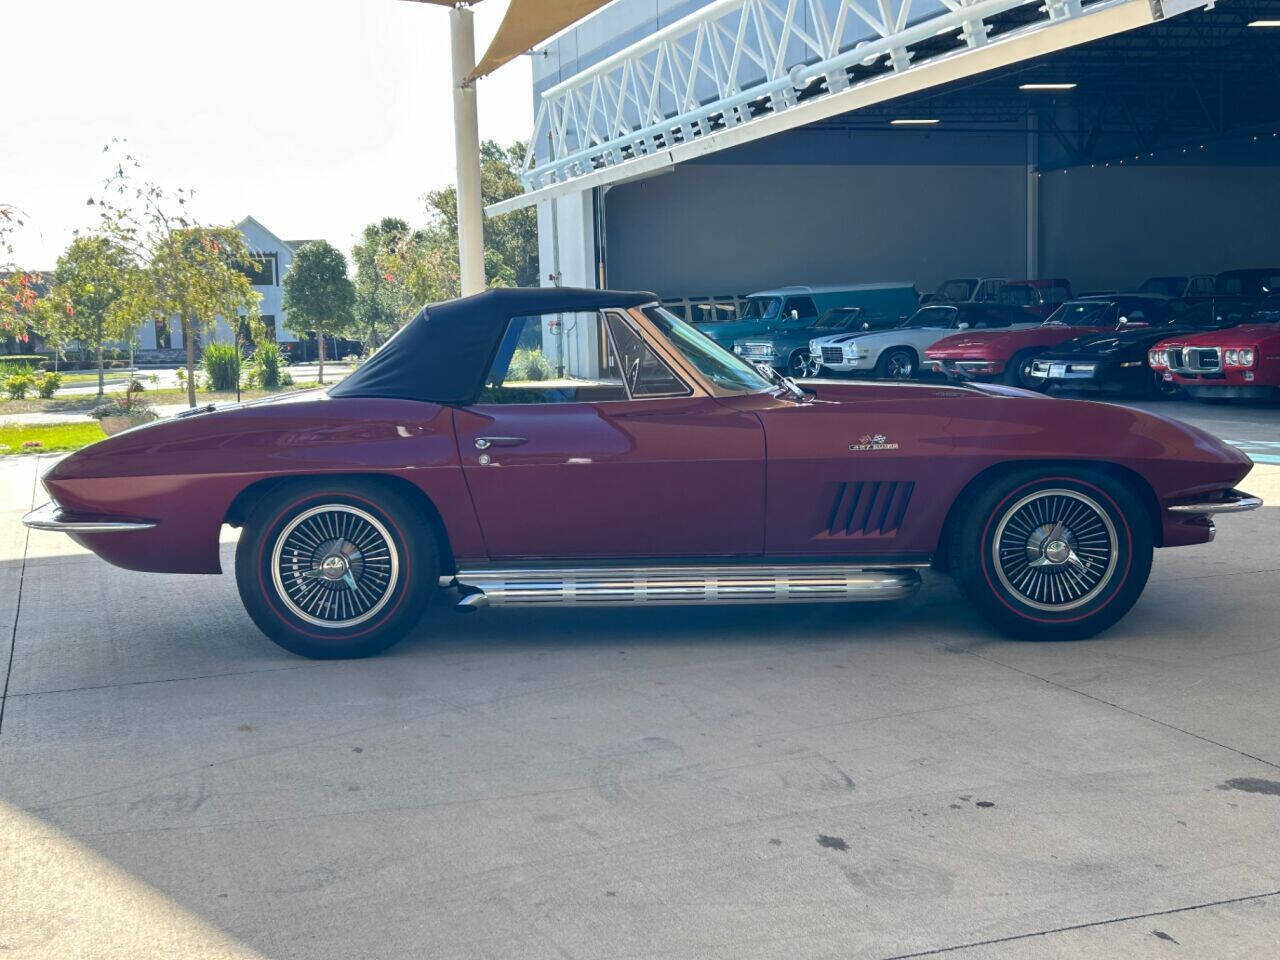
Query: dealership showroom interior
pixel 856 534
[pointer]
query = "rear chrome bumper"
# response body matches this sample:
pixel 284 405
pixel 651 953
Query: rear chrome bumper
pixel 52 517
pixel 1233 501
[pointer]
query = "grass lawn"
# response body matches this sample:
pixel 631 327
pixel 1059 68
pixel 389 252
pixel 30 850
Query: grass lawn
pixel 53 438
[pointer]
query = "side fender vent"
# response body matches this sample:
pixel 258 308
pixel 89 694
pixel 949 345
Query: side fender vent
pixel 873 508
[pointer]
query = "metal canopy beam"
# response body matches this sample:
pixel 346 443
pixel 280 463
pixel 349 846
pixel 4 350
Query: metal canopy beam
pixel 739 70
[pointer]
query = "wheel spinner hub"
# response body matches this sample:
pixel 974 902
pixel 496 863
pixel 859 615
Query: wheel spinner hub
pixel 1055 549
pixel 334 566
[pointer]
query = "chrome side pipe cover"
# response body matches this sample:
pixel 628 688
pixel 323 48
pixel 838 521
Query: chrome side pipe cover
pixel 625 586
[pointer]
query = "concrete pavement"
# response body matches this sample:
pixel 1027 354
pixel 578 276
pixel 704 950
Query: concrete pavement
pixel 854 782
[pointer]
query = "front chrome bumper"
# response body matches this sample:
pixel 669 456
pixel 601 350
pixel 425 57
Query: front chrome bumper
pixel 1233 501
pixel 52 517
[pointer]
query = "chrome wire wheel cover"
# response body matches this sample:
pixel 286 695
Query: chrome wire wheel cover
pixel 334 566
pixel 899 366
pixel 1055 549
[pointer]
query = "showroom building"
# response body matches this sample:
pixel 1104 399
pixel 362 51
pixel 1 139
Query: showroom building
pixel 717 148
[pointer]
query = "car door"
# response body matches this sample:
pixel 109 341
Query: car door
pixel 613 454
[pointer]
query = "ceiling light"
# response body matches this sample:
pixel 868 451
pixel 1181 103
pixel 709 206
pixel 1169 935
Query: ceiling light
pixel 1046 86
pixel 1264 23
pixel 912 123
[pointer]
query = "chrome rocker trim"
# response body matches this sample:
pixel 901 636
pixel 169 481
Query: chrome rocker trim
pixel 624 586
pixel 1235 501
pixel 51 517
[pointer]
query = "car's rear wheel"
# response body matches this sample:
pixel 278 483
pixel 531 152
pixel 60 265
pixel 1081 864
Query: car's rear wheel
pixel 801 364
pixel 897 363
pixel 1018 372
pixel 1048 554
pixel 336 569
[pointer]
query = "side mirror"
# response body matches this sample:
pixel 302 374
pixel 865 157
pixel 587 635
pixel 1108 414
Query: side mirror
pixel 1122 321
pixel 962 326
pixel 795 314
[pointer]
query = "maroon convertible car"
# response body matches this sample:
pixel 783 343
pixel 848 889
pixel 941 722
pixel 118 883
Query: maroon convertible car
pixel 586 447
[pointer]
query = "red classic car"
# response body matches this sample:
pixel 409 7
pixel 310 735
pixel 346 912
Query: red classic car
pixel 588 448
pixel 1009 355
pixel 1239 362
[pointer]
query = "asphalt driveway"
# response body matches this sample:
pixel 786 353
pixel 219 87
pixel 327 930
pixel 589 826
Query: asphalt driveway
pixel 853 782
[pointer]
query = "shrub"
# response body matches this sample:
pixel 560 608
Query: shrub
pixel 528 365
pixel 16 385
pixel 266 366
pixel 286 378
pixel 136 386
pixel 123 406
pixel 48 385
pixel 20 361
pixel 221 363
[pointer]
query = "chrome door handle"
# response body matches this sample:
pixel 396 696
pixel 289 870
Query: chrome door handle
pixel 484 443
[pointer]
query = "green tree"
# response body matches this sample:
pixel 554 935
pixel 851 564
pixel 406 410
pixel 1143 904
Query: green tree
pixel 382 303
pixel 196 274
pixel 18 288
pixel 318 295
pixel 183 269
pixel 84 303
pixel 425 263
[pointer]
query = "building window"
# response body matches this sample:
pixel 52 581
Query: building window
pixel 261 270
pixel 163 340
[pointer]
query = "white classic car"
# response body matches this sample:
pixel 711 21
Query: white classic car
pixel 895 354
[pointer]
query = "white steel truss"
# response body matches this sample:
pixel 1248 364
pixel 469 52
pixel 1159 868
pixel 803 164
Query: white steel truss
pixel 738 64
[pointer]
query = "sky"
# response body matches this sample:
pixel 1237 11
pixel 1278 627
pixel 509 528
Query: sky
pixel 316 117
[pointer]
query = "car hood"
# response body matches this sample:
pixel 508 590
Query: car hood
pixel 1248 335
pixel 1112 343
pixel 1001 344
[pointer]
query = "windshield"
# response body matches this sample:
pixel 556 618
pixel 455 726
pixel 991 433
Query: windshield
pixel 957 289
pixel 1018 295
pixel 711 360
pixel 838 318
pixel 1084 313
pixel 932 317
pixel 1166 286
pixel 762 308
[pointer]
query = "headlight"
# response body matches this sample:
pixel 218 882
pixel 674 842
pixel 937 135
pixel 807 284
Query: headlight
pixel 1158 358
pixel 852 351
pixel 737 348
pixel 1246 357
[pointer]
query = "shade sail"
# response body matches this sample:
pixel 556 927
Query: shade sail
pixel 527 23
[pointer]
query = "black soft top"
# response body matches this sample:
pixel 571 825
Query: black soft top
pixel 443 354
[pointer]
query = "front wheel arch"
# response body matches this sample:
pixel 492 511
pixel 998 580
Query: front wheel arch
pixel 248 498
pixel 1135 481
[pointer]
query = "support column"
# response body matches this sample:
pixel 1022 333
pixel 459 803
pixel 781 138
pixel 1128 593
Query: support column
pixel 466 141
pixel 1033 199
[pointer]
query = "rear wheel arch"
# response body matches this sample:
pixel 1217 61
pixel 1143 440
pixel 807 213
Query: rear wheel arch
pixel 1130 478
pixel 247 500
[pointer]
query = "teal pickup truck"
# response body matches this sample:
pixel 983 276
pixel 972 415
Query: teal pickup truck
pixel 786 348
pixel 794 309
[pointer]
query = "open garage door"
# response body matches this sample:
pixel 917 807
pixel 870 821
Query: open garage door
pixel 1152 152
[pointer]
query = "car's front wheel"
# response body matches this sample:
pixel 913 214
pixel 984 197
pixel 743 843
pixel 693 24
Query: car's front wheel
pixel 801 364
pixel 1018 372
pixel 1048 554
pixel 897 363
pixel 336 569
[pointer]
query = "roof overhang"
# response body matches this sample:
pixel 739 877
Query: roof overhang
pixel 704 128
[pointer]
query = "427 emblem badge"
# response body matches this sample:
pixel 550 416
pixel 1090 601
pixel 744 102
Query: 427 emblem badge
pixel 872 441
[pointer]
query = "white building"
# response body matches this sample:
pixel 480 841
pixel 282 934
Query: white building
pixel 274 257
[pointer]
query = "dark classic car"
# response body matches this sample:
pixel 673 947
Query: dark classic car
pixel 1007 355
pixel 786 348
pixel 1238 363
pixel 1116 360
pixel 588 448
